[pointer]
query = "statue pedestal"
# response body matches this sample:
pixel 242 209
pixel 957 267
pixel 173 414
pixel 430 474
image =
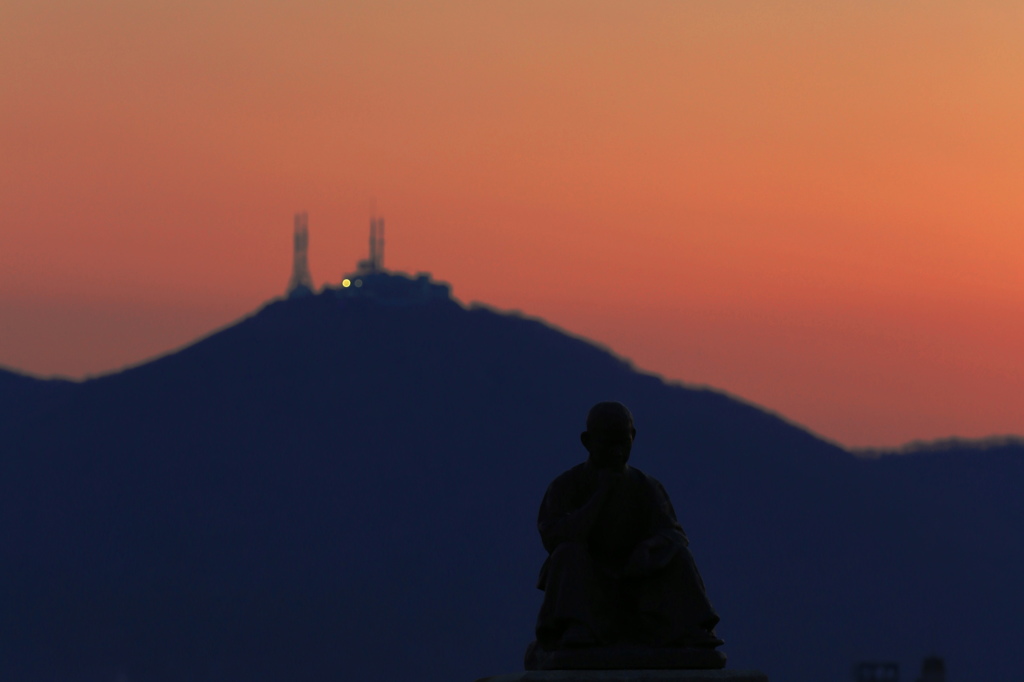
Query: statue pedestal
pixel 630 676
pixel 624 657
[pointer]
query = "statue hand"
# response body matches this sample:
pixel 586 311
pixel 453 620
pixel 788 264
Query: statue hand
pixel 639 563
pixel 649 556
pixel 662 551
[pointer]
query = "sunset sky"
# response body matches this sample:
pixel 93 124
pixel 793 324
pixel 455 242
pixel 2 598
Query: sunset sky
pixel 817 207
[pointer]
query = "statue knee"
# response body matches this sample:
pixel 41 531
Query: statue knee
pixel 570 554
pixel 571 551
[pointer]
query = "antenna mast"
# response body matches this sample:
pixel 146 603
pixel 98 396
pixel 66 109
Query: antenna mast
pixel 372 260
pixel 375 261
pixel 301 281
pixel 379 252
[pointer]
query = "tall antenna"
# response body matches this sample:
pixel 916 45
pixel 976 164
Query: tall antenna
pixel 375 261
pixel 301 282
pixel 372 260
pixel 379 252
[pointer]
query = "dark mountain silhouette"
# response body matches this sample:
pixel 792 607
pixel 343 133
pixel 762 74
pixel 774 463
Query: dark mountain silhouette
pixel 346 488
pixel 22 396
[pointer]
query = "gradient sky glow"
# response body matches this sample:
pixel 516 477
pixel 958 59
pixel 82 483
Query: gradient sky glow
pixel 818 207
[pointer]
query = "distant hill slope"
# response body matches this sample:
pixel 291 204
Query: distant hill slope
pixel 22 396
pixel 346 489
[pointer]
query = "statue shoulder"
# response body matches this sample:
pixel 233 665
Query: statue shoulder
pixel 654 484
pixel 572 477
pixel 639 475
pixel 568 485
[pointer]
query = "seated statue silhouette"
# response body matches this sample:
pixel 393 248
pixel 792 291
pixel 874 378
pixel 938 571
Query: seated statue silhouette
pixel 621 589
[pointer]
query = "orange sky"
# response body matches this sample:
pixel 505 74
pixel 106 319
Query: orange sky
pixel 816 208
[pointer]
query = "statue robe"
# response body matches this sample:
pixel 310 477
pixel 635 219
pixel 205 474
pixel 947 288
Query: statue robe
pixel 583 578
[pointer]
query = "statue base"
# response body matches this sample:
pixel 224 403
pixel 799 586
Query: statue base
pixel 623 658
pixel 631 676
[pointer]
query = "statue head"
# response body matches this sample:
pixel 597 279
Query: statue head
pixel 609 435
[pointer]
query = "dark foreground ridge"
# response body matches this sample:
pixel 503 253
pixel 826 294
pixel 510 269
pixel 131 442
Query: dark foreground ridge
pixel 339 487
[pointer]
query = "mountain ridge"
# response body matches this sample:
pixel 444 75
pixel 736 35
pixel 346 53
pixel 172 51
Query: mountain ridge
pixel 15 392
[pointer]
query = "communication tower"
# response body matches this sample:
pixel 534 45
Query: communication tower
pixel 375 263
pixel 371 282
pixel 301 283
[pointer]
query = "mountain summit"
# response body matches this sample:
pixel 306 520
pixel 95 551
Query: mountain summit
pixel 345 486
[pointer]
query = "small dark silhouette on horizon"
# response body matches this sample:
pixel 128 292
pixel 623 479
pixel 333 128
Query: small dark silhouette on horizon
pixel 933 669
pixel 875 671
pixel 620 584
